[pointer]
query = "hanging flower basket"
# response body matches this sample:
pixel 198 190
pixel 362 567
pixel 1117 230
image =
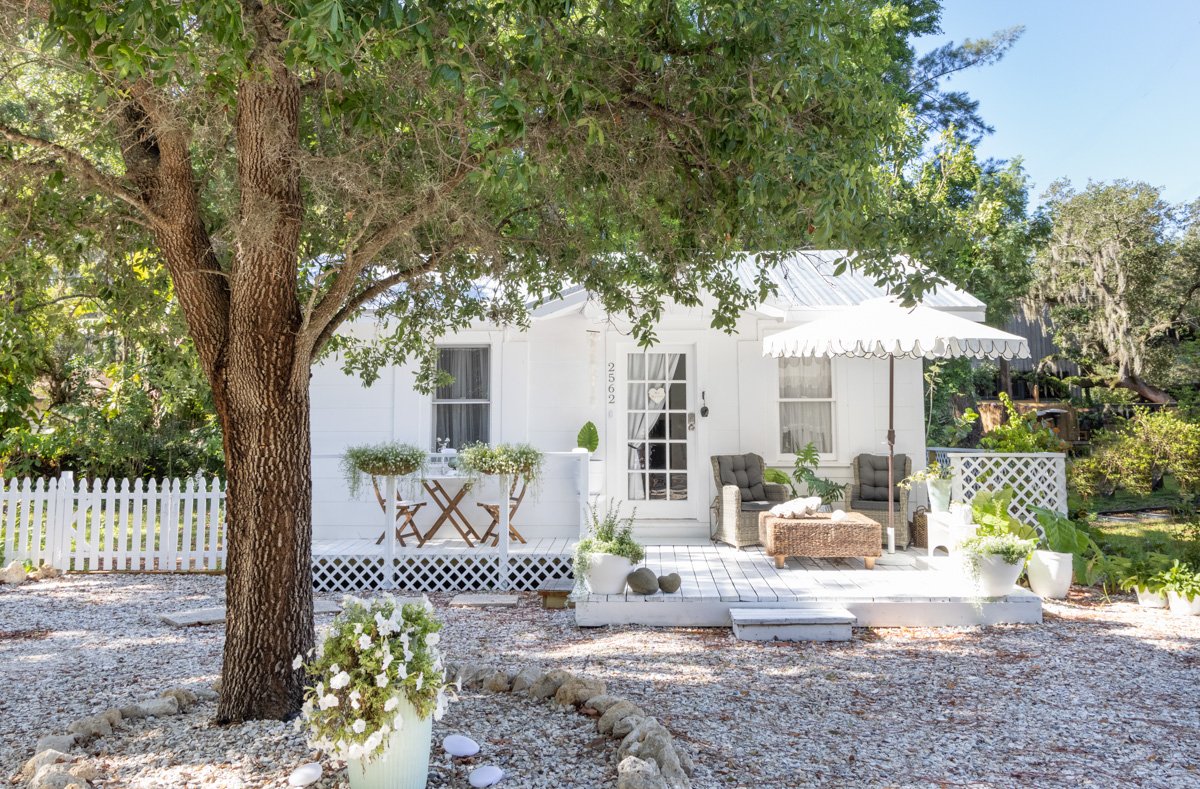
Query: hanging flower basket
pixel 377 461
pixel 510 460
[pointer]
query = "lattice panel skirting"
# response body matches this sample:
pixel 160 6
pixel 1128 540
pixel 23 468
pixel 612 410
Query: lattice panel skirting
pixel 1038 479
pixel 437 573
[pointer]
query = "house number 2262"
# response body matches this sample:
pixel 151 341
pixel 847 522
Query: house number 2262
pixel 612 382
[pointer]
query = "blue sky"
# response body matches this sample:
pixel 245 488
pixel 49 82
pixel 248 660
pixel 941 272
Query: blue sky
pixel 1094 89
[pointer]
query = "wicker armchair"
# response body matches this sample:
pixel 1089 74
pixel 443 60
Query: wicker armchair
pixel 741 495
pixel 875 508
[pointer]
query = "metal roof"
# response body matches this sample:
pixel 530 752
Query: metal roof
pixel 805 280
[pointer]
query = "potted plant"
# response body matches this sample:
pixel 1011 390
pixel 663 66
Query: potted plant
pixel 995 561
pixel 377 684
pixel 510 460
pixel 389 459
pixel 606 556
pixel 938 480
pixel 1052 565
pixel 805 471
pixel 1143 575
pixel 1182 585
pixel 588 440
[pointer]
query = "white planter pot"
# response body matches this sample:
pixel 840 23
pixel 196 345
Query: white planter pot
pixel 606 573
pixel 1181 606
pixel 1148 599
pixel 1050 573
pixel 996 576
pixel 939 494
pixel 404 763
pixel 596 470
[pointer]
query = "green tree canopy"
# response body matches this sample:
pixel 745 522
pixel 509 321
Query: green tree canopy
pixel 1121 275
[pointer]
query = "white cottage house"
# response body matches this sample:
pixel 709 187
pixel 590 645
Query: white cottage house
pixel 661 412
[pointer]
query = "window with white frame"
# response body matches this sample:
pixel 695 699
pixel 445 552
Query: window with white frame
pixel 462 410
pixel 805 404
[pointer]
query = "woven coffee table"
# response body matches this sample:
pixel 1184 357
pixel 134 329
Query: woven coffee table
pixel 820 537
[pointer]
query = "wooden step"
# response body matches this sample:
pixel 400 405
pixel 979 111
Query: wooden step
pixel 807 623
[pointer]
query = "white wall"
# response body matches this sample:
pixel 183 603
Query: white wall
pixel 550 380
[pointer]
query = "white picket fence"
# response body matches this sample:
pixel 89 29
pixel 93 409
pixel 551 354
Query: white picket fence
pixel 1038 479
pixel 169 526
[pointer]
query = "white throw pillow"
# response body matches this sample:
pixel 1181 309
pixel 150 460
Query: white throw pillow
pixel 797 508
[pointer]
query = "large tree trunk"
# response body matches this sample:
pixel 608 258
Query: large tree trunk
pixel 266 409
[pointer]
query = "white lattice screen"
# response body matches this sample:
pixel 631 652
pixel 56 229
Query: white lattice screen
pixel 438 572
pixel 1038 479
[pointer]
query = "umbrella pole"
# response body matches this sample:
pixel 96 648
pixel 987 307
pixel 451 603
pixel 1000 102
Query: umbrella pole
pixel 891 439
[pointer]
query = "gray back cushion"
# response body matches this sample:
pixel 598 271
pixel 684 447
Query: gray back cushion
pixel 745 472
pixel 872 477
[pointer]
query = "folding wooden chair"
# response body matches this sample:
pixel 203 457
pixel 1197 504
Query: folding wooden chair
pixel 514 501
pixel 406 511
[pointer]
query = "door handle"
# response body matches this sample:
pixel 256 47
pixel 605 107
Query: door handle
pixel 691 419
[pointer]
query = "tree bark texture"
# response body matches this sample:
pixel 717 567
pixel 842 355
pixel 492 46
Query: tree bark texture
pixel 244 319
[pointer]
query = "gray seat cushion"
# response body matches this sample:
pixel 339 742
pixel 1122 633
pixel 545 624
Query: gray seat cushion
pixel 746 472
pixel 756 506
pixel 872 479
pixel 863 505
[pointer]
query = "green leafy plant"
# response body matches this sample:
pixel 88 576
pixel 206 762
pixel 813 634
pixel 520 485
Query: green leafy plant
pixel 512 460
pixel 1021 433
pixel 1143 572
pixel 1009 547
pixel 804 471
pixel 609 533
pixel 933 471
pixel 389 459
pixel 989 509
pixel 1180 579
pixel 376 657
pixel 777 477
pixel 588 438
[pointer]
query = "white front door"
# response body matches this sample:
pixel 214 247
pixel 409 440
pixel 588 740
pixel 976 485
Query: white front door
pixel 654 428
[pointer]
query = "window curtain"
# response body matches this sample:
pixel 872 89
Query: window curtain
pixel 800 422
pixel 464 422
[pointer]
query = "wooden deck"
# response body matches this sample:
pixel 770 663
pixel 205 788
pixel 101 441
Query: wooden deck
pixel 717 578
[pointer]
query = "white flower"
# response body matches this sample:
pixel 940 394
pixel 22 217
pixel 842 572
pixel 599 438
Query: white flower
pixel 298 662
pixel 440 709
pixel 432 639
pixel 327 702
pixel 355 751
pixel 359 726
pixel 364 641
pixel 354 697
pixel 381 680
pixel 387 660
pixel 420 680
pixel 339 680
pixel 391 704
pixel 358 628
pixel 373 741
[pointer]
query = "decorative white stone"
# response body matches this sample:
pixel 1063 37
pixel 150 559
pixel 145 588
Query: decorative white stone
pixel 458 745
pixel 488 775
pixel 305 774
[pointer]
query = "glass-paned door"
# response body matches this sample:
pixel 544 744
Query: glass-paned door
pixel 658 429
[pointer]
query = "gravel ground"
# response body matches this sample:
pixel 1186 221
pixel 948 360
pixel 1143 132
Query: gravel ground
pixel 1103 694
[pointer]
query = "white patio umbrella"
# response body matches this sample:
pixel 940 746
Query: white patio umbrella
pixel 883 329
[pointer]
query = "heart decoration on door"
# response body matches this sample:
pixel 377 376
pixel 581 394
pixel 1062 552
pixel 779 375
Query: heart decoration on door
pixel 657 394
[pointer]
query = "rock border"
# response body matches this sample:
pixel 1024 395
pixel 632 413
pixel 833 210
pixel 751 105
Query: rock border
pixel 648 757
pixel 53 766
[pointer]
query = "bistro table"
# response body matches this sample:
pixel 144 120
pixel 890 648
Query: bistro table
pixel 439 488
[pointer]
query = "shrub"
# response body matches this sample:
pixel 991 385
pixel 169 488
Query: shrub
pixel 1021 433
pixel 1137 456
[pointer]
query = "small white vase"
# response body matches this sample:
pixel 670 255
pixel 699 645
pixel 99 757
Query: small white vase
pixel 939 494
pixel 607 572
pixel 996 576
pixel 1181 606
pixel 1050 573
pixel 404 763
pixel 1148 599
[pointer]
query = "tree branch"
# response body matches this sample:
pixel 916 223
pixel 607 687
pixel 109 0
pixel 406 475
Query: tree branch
pixel 78 164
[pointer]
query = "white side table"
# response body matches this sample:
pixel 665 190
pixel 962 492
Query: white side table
pixel 944 531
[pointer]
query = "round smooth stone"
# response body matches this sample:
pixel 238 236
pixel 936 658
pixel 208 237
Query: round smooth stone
pixel 458 745
pixel 488 775
pixel 305 774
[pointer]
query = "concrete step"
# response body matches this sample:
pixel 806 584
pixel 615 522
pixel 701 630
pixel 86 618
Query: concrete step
pixel 809 623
